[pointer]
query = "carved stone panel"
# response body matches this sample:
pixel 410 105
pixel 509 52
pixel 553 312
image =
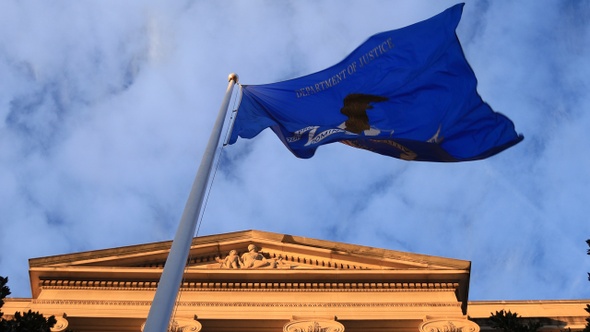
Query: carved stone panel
pixel 252 259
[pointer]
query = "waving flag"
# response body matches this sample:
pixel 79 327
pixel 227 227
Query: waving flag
pixel 407 93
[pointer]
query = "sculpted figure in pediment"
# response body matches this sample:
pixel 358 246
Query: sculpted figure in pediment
pixel 232 261
pixel 252 259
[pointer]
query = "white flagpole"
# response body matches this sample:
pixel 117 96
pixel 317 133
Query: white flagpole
pixel 167 291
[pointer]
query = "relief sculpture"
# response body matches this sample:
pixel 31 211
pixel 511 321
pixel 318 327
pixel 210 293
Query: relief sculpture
pixel 232 261
pixel 252 259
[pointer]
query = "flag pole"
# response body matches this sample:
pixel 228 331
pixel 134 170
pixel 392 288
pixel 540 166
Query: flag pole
pixel 167 291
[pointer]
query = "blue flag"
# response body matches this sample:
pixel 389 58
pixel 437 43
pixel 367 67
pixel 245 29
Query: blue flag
pixel 406 93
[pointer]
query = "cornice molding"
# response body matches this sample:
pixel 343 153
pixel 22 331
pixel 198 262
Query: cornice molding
pixel 255 286
pixel 250 304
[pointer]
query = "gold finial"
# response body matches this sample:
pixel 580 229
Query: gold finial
pixel 233 77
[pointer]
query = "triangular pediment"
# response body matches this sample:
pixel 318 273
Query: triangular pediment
pixel 284 251
pixel 281 258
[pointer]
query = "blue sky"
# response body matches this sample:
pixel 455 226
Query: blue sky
pixel 106 108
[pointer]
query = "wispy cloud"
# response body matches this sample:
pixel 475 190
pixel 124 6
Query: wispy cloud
pixel 106 108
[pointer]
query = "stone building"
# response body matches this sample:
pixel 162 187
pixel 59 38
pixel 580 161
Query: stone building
pixel 261 281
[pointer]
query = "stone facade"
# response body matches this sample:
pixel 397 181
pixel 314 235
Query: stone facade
pixel 260 281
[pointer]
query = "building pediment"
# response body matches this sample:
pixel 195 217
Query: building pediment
pixel 286 252
pixel 255 260
pixel 261 281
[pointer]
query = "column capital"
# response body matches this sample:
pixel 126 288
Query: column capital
pixel 61 324
pixel 313 325
pixel 182 325
pixel 449 325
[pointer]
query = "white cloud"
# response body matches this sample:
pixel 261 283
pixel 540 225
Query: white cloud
pixel 106 108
